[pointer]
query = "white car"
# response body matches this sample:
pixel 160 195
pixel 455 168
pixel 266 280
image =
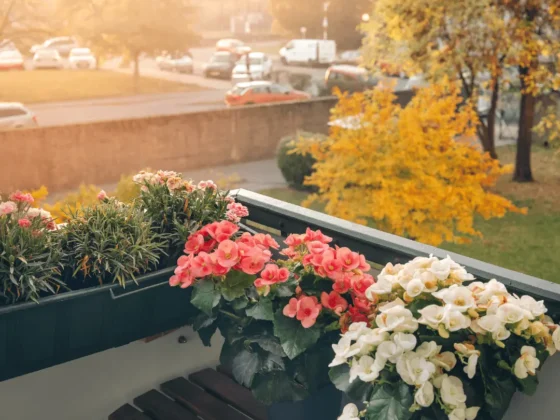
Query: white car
pixel 63 45
pixel 11 60
pixel 182 64
pixel 47 59
pixel 253 66
pixel 309 52
pixel 15 115
pixel 82 58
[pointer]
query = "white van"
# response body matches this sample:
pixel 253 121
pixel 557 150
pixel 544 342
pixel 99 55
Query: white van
pixel 309 51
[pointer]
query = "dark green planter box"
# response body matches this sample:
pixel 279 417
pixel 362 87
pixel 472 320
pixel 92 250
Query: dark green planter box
pixel 324 405
pixel 76 324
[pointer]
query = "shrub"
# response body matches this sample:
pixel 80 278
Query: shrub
pixel 109 242
pixel 73 202
pixel 29 251
pixel 296 167
pixel 127 190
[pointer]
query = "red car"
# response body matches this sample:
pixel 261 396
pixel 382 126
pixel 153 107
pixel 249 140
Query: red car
pixel 262 92
pixel 11 60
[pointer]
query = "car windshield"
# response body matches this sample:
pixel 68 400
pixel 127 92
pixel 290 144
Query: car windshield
pixel 255 61
pixel 220 58
pixel 80 52
pixel 238 90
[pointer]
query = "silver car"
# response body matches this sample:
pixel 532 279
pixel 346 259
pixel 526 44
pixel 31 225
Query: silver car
pixel 15 115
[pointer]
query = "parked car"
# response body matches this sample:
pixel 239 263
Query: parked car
pixel 82 58
pixel 11 60
pixel 15 115
pixel 308 51
pixel 262 92
pixel 253 66
pixel 181 64
pixel 7 45
pixel 234 46
pixel 221 65
pixel 63 45
pixel 47 59
pixel 348 79
pixel 353 57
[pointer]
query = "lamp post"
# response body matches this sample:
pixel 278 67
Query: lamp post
pixel 325 20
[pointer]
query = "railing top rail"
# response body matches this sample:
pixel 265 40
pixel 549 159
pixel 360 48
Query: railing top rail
pixel 386 247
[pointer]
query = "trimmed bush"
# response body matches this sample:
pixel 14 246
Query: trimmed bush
pixel 294 166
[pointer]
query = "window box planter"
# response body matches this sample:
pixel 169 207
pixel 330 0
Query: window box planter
pixel 324 405
pixel 61 328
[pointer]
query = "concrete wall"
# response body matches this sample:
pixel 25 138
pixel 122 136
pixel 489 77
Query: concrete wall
pixel 99 153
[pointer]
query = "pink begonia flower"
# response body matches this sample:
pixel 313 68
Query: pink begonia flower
pixel 247 239
pixel 349 260
pixel 194 244
pixel 102 195
pixel 342 284
pixel 224 230
pixel 364 266
pixel 316 247
pixel 183 273
pixel 266 241
pixel 308 311
pixel 272 274
pixel 254 260
pixel 361 303
pixel 7 207
pixel 227 253
pixel 334 302
pixel 290 310
pixel 332 267
pixel 209 245
pixel 217 269
pixel 24 223
pixel 294 240
pixel 209 230
pixel 361 283
pixel 316 236
pixel 22 197
pixel 174 281
pixel 201 265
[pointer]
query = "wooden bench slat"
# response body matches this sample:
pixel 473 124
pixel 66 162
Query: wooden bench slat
pixel 205 405
pixel 159 407
pixel 230 391
pixel 128 412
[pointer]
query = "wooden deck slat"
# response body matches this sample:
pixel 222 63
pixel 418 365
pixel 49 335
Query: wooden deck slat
pixel 128 412
pixel 230 391
pixel 202 403
pixel 159 407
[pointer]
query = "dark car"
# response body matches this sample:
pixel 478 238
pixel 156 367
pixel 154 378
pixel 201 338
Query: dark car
pixel 348 79
pixel 220 65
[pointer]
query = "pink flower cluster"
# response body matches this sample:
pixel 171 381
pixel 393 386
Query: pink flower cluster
pixel 236 211
pixel 205 185
pixel 7 207
pixel 212 251
pixel 20 197
pixel 305 309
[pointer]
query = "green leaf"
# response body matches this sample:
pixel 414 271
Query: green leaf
pixel 205 296
pixel 202 321
pixel 207 333
pixel 245 366
pixel 277 386
pixel 262 310
pixel 294 338
pixel 235 284
pixel 240 303
pixel 499 385
pixel 270 344
pixel 529 385
pixel 390 402
pixel 357 390
pixel 285 289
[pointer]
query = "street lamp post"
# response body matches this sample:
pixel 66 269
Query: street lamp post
pixel 325 20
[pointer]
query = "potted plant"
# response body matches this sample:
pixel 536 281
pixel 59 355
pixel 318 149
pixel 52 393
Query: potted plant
pixel 436 347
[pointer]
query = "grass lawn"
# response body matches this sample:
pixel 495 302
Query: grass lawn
pixel 529 244
pixel 64 85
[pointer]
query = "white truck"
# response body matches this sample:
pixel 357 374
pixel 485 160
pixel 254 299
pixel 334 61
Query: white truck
pixel 309 51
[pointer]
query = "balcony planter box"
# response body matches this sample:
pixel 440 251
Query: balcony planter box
pixel 324 405
pixel 34 336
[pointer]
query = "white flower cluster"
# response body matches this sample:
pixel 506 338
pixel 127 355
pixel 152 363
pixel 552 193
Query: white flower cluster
pixel 487 311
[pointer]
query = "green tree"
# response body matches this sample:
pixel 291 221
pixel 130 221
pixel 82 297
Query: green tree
pixel 24 19
pixel 344 16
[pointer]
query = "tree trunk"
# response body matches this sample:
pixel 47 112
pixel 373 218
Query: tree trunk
pixel 491 129
pixel 136 72
pixel 523 171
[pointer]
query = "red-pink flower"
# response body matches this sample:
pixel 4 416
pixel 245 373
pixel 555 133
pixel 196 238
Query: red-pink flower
pixel 7 207
pixel 316 247
pixel 24 223
pixel 254 260
pixel 272 274
pixel 316 236
pixel 332 267
pixel 238 209
pixel 22 197
pixel 349 260
pixel 342 284
pixel 208 245
pixel 361 303
pixel 201 265
pixel 334 302
pixel 266 241
pixel 203 185
pixel 210 230
pixel 102 195
pixel 174 281
pixel 247 239
pixel 364 266
pixel 183 273
pixel 217 269
pixel 194 243
pixel 224 230
pixel 308 311
pixel 290 310
pixel 227 253
pixel 361 283
pixel 294 240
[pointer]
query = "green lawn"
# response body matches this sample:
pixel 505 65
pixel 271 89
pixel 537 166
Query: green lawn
pixel 64 85
pixel 529 244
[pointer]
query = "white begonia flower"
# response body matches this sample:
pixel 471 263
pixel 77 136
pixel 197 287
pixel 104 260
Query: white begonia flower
pixel 428 349
pixel 510 313
pixel 374 337
pixel 445 360
pixel 556 338
pixel 407 342
pixel 343 350
pixel 385 281
pixel 366 368
pixel 432 316
pixel 470 369
pixel 356 330
pixel 438 380
pixel 537 308
pixel 396 318
pixel 493 325
pixel 423 262
pixel 452 393
pixel 389 351
pixel 462 413
pixel 454 320
pixel 350 412
pixel 415 287
pixel 430 281
pixel 483 292
pixel 414 369
pixel 472 353
pixel 460 274
pixel 424 396
pixel 527 364
pixel 441 268
pixel 457 297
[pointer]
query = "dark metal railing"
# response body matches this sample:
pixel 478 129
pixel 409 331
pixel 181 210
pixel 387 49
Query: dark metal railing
pixel 380 247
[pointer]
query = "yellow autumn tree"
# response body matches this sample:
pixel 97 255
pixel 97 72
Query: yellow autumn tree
pixel 413 171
